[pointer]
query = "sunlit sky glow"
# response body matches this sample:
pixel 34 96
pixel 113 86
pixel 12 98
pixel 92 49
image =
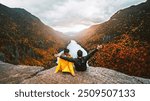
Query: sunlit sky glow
pixel 71 15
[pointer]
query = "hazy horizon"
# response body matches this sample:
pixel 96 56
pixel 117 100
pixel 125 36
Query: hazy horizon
pixel 71 16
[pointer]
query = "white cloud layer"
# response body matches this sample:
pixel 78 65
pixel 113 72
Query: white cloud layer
pixel 71 15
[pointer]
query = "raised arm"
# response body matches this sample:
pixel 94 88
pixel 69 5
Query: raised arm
pixel 90 54
pixel 67 58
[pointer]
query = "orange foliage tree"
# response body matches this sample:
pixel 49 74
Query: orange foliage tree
pixel 125 54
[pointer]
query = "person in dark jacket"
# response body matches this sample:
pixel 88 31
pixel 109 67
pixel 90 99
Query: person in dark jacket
pixel 81 61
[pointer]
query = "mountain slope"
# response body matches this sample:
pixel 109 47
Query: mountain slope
pixel 25 39
pixel 126 39
pixel 133 20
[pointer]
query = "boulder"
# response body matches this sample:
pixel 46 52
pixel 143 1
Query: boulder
pixel 37 75
pixel 16 73
pixel 94 75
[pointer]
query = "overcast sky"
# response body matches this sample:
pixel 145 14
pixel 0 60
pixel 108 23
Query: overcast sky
pixel 71 15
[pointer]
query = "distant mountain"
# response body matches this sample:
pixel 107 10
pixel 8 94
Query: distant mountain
pixel 133 20
pixel 24 39
pixel 126 39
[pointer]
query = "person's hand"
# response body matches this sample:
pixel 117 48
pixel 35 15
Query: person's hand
pixel 73 75
pixel 99 46
pixel 56 55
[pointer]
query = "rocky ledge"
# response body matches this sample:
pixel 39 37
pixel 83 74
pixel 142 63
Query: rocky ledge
pixel 37 75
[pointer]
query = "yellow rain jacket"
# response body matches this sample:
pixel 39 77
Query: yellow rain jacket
pixel 65 66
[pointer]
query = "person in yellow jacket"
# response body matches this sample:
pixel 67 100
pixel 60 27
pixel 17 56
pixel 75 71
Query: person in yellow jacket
pixel 64 65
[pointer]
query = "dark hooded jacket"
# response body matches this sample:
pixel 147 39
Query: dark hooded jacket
pixel 80 63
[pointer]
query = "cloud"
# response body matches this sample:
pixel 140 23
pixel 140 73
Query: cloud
pixel 66 14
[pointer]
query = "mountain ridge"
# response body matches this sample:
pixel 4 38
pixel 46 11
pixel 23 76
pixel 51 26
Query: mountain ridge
pixel 27 40
pixel 126 40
